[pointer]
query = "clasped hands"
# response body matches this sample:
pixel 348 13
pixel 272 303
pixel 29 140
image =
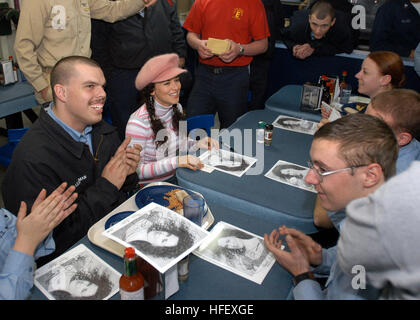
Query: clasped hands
pixel 302 51
pixel 304 251
pixel 122 164
pixel 192 162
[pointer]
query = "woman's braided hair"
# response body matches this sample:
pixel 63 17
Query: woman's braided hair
pixel 157 125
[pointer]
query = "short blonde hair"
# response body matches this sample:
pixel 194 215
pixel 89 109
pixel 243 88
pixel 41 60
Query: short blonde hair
pixel 403 106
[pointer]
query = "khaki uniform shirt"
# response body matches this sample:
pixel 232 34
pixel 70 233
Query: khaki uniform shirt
pixel 49 30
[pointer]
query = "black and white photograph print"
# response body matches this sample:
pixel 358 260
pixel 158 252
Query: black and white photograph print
pixel 160 236
pixel 295 124
pixel 227 161
pixel 311 97
pixel 78 274
pixel 237 251
pixel 291 174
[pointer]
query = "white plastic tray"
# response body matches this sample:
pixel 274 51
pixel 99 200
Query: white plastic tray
pixel 95 232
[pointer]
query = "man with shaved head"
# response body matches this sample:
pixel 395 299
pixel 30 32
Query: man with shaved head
pixel 70 142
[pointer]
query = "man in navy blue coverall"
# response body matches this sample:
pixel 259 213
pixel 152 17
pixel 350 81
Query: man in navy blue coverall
pixel 396 27
pixel 320 31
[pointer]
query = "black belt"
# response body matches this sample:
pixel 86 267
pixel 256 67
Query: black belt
pixel 219 70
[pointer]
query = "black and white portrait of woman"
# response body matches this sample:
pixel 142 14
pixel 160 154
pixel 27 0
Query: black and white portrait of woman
pixel 77 275
pixel 291 174
pixel 295 124
pixel 158 235
pixel 228 162
pixel 238 251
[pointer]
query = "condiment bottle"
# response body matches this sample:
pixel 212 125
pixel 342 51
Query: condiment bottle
pixel 345 89
pixel 151 278
pixel 14 68
pixel 268 134
pixel 260 131
pixel 131 281
pixel 325 90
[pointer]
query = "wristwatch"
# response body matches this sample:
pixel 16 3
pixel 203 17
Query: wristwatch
pixel 303 276
pixel 241 49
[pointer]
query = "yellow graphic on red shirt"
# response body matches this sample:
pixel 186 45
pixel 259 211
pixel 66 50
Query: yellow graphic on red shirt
pixel 238 13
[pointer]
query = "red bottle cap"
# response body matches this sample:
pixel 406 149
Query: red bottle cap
pixel 345 73
pixel 129 252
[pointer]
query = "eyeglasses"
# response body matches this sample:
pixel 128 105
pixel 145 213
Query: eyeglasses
pixel 321 175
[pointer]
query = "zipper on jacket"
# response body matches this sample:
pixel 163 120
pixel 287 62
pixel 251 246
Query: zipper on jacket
pixel 95 157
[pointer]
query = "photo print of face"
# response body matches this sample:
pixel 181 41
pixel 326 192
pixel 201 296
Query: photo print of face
pixel 291 174
pixel 295 124
pixel 77 275
pixel 238 251
pixel 227 161
pixel 159 235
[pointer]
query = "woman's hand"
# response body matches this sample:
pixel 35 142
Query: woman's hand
pixel 190 162
pixel 208 143
pixel 325 113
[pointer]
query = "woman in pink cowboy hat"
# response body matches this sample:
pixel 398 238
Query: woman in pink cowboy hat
pixel 155 125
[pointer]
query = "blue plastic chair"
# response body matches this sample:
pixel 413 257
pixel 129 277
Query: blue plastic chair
pixel 6 151
pixel 202 121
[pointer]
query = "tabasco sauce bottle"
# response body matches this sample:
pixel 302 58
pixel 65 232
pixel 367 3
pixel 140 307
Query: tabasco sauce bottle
pixel 131 281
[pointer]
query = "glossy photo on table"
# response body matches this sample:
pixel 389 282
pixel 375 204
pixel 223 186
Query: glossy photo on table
pixel 291 174
pixel 238 251
pixel 160 236
pixel 227 162
pixel 78 274
pixel 295 124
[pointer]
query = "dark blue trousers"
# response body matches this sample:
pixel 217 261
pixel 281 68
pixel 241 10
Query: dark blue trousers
pixel 222 90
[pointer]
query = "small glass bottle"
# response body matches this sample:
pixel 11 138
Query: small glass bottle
pixel 151 278
pixel 15 76
pixel 325 90
pixel 345 89
pixel 183 269
pixel 268 134
pixel 131 281
pixel 260 131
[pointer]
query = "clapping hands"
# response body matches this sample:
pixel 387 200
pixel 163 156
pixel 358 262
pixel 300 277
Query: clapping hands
pixel 303 250
pixel 123 163
pixel 46 214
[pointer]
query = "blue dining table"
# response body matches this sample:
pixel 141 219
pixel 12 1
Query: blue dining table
pixel 287 101
pixel 207 281
pixel 256 195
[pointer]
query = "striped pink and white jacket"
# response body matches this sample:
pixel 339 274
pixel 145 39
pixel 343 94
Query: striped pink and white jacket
pixel 156 164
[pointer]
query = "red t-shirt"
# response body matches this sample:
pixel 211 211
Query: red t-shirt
pixel 242 21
